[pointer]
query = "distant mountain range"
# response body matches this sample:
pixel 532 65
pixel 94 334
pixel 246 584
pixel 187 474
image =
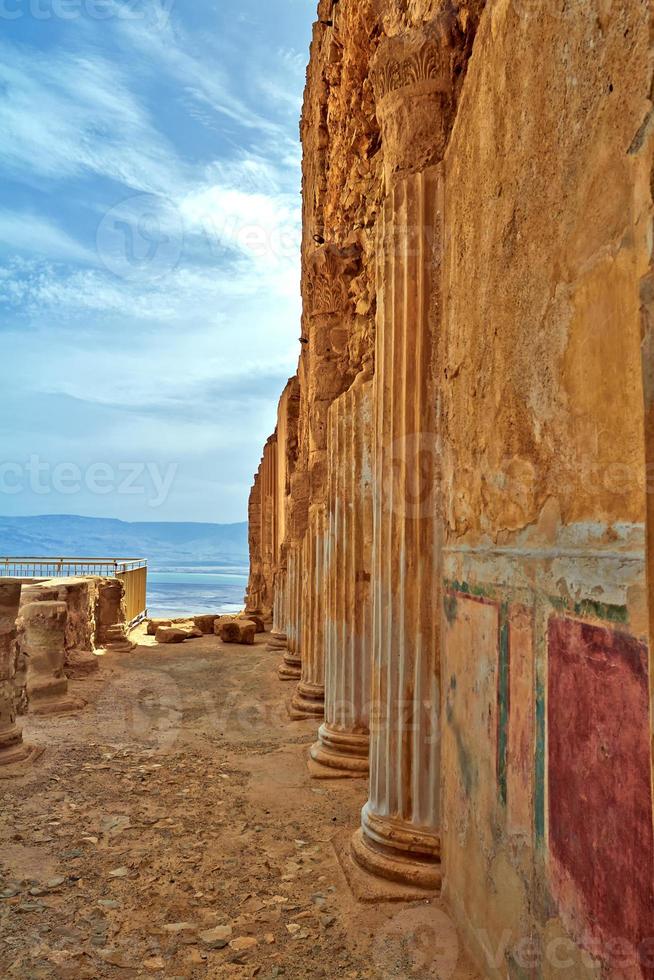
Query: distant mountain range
pixel 163 544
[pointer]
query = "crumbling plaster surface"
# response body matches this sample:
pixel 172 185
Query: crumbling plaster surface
pixel 547 222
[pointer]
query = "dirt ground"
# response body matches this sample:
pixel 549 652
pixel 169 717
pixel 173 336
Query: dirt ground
pixel 172 829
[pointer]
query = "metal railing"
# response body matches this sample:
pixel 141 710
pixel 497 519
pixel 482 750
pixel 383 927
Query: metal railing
pixel 133 572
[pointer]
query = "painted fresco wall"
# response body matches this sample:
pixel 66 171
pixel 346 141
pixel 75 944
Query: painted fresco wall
pixel 547 802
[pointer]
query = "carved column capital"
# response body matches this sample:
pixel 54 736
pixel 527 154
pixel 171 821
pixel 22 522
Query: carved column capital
pixel 330 270
pixel 413 81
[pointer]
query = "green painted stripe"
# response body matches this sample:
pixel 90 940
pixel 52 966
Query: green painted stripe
pixel 602 610
pixel 539 795
pixel 503 696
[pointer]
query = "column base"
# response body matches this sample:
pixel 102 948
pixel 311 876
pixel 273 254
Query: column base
pixel 346 751
pixel 290 668
pixel 396 851
pixel 81 663
pixel 13 751
pixel 278 635
pixel 56 707
pixel 308 701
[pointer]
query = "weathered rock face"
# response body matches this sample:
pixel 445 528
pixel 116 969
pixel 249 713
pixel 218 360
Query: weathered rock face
pixel 478 235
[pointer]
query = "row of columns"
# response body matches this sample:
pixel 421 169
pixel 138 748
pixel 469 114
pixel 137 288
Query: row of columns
pixel 362 590
pixel 363 594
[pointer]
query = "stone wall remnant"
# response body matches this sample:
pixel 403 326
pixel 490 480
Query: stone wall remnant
pixel 42 638
pixel 12 748
pixel 110 616
pixel 79 597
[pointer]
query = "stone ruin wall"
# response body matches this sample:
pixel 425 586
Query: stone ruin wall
pixel 49 632
pixel 477 287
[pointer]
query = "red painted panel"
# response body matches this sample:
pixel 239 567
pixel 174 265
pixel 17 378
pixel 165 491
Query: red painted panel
pixel 600 800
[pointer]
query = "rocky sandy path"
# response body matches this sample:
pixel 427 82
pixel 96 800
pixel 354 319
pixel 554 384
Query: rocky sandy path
pixel 171 829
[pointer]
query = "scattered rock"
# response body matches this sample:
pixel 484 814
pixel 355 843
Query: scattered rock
pixel 10 892
pixel 119 873
pixel 177 927
pixel 253 618
pixel 55 882
pixel 205 624
pixel 216 938
pixel 155 624
pixel 242 943
pixel 115 958
pixel 171 634
pixel 155 964
pixel 115 824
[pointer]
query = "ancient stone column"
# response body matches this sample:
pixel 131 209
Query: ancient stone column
pixel 269 521
pixel 298 511
pixel 279 631
pixel 309 698
pixel 329 272
pixel 291 666
pixel 287 449
pixel 399 838
pixel 255 595
pixel 343 739
pixel 42 638
pixel 262 517
pixel 12 747
pixel 110 625
pixel 79 597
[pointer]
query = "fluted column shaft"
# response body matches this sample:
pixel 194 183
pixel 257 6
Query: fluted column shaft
pixel 309 698
pixel 400 836
pixel 279 627
pixel 291 666
pixel 343 739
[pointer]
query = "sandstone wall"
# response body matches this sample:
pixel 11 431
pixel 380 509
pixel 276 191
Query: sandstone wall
pixel 548 224
pixel 477 235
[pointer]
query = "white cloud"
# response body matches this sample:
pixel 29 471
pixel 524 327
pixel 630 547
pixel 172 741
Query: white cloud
pixel 186 366
pixel 65 115
pixel 27 232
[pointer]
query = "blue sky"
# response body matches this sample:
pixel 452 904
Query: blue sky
pixel 149 250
